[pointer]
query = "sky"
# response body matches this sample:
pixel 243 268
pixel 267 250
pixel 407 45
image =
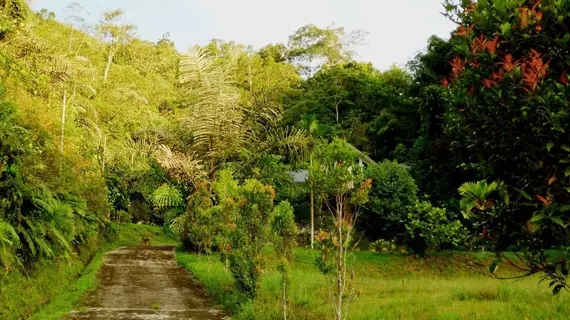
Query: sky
pixel 397 29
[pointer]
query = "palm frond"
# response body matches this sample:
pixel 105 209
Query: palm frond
pixel 178 224
pixel 166 196
pixel 180 166
pixel 290 141
pixel 215 118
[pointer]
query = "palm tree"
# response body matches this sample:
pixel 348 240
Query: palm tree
pixel 311 125
pixel 475 195
pixel 215 118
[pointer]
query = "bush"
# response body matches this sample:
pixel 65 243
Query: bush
pixel 124 216
pixel 393 189
pixel 387 246
pixel 250 235
pixel 432 228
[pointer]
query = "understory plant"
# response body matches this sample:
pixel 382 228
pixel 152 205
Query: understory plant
pixel 285 232
pixel 392 191
pixel 530 249
pixel 344 189
pixel 387 246
pixel 251 234
pixel 432 228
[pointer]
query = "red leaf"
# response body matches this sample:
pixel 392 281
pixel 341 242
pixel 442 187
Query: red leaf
pixel 475 64
pixel 544 200
pixel 524 17
pixel 551 181
pixel 509 64
pixel 477 44
pixel 457 65
pixel 488 83
pixel 491 46
pixel 498 76
pixel 464 32
pixel 472 7
pixel 445 82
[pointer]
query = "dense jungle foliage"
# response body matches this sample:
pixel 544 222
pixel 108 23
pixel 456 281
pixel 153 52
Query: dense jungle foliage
pixel 466 148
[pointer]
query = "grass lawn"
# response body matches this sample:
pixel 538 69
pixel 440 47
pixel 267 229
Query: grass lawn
pixel 54 288
pixel 391 287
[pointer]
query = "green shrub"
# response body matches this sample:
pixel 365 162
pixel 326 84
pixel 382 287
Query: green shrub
pixel 393 188
pixel 387 246
pixel 432 228
pixel 250 235
pixel 124 216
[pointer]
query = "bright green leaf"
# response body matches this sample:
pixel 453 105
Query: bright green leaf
pixel 558 221
pixel 506 28
pixel 524 194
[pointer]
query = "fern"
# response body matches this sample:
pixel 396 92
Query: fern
pixel 35 233
pixel 166 196
pixel 178 224
pixel 58 238
pixel 9 241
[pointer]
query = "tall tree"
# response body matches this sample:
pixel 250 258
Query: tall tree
pixel 115 34
pixel 310 47
pixel 215 117
pixel 311 125
pixel 77 23
pixel 509 92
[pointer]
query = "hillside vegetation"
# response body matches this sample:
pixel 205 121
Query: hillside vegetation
pixel 466 149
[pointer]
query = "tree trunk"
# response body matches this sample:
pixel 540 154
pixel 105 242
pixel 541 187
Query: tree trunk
pixel 284 298
pixel 337 113
pixel 312 218
pixel 71 39
pixel 104 153
pixel 250 78
pixel 336 107
pixel 340 276
pixel 63 107
pixel 212 172
pixel 109 61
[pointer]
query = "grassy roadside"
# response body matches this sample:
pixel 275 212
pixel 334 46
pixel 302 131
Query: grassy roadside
pixel 390 287
pixel 54 288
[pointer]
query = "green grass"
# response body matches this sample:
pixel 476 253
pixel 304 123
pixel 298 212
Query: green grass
pixel 391 287
pixel 56 287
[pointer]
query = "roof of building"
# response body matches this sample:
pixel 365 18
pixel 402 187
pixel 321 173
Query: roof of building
pixel 301 175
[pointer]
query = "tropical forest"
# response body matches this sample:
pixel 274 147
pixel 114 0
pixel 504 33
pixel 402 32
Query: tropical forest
pixel 294 180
